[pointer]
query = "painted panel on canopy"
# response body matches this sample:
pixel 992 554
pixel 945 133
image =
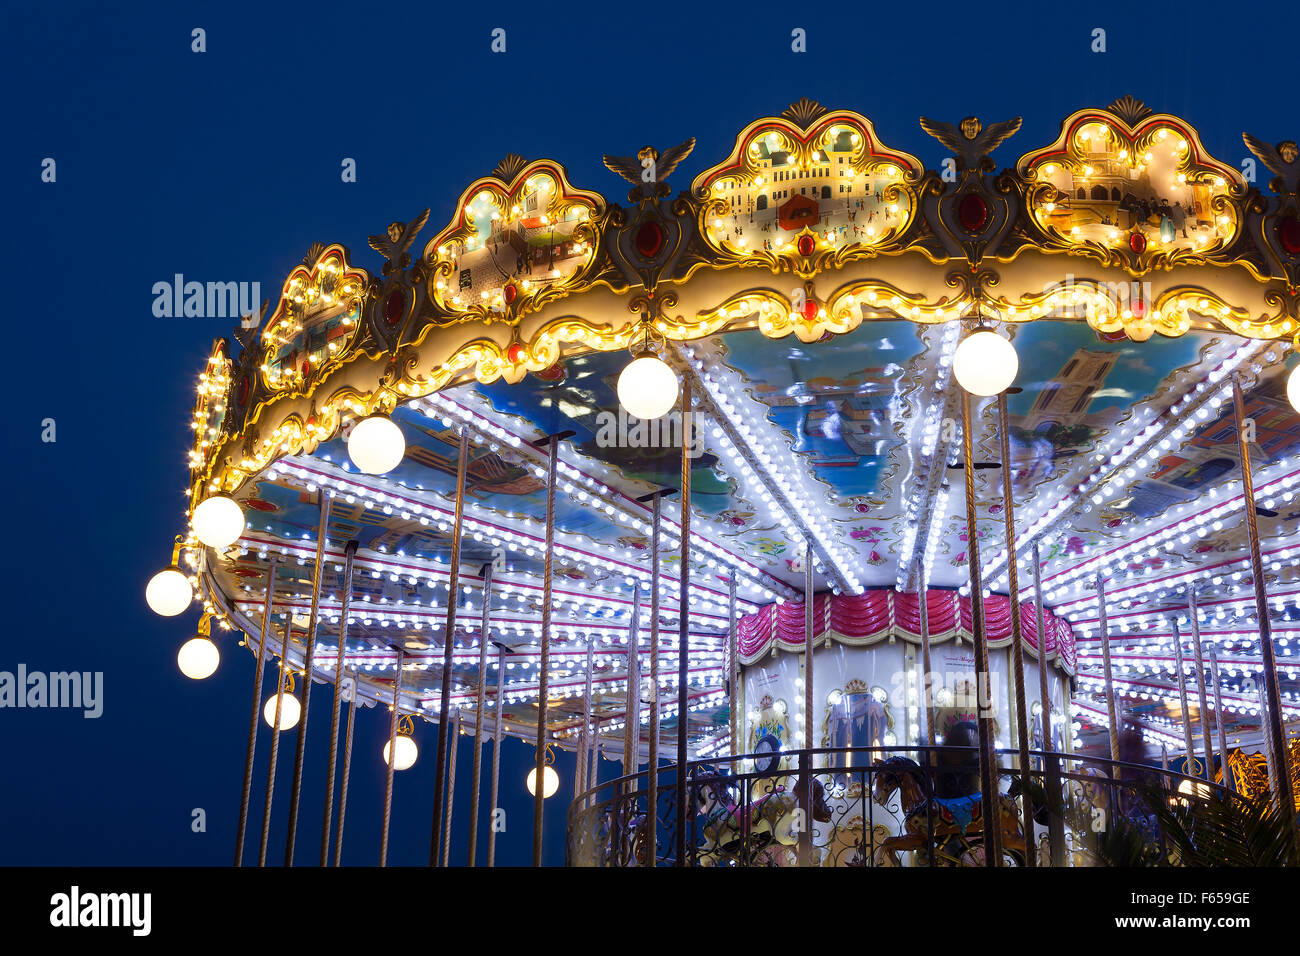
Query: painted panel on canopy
pixel 839 401
pixel 1209 456
pixel 585 399
pixel 1077 387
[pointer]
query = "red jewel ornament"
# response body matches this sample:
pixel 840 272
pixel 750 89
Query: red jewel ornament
pixel 1288 233
pixel 973 212
pixel 306 367
pixel 515 353
pixel 510 293
pixel 649 239
pixel 809 309
pixel 806 246
pixel 1137 242
pixel 393 307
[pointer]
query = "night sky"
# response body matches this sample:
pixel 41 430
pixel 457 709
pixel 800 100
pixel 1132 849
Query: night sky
pixel 225 166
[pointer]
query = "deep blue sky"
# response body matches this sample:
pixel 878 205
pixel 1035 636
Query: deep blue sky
pixel 225 166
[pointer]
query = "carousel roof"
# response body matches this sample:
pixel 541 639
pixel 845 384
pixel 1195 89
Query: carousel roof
pixel 809 287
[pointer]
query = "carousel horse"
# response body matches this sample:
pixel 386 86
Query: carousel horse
pixel 773 820
pixel 952 804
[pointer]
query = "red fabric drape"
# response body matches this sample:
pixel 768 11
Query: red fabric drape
pixel 875 615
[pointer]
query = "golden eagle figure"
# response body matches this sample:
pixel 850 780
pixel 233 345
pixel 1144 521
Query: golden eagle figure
pixel 393 246
pixel 972 143
pixel 631 167
pixel 1283 160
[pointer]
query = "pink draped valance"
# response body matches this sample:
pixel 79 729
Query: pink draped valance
pixel 877 614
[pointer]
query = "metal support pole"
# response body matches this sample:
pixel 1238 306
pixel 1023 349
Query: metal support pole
pixel 448 645
pixel 684 624
pixel 1105 660
pixel 308 666
pixel 392 759
pixel 451 786
pixel 496 754
pixel 632 697
pixel 350 553
pixel 1272 694
pixel 275 739
pixel 347 771
pixel 988 775
pixel 1051 764
pixel 1218 720
pixel 806 758
pixel 1182 697
pixel 584 735
pixel 1017 638
pixel 652 761
pixel 927 677
pixel 258 675
pixel 1194 616
pixel 545 664
pixel 1271 763
pixel 733 664
pixel 479 705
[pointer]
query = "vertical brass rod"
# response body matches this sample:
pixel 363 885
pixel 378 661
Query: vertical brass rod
pixel 308 669
pixel 1194 616
pixel 1051 777
pixel 1272 694
pixel 448 645
pixel 349 552
pixel 1275 776
pixel 584 735
pixel 451 786
pixel 1044 694
pixel 984 720
pixel 347 771
pixel 496 755
pixel 1182 697
pixel 259 674
pixel 545 664
pixel 1111 709
pixel 392 759
pixel 1017 637
pixel 632 698
pixel 275 739
pixel 1218 720
pixel 684 623
pixel 733 663
pixel 480 741
pixel 652 760
pixel 927 676
pixel 809 736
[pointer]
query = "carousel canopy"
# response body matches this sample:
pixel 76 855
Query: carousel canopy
pixel 809 289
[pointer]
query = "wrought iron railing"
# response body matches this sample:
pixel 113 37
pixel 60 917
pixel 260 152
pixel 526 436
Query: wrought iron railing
pixel 876 806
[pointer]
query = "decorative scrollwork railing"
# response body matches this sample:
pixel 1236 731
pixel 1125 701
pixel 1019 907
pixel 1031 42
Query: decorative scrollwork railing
pixel 886 806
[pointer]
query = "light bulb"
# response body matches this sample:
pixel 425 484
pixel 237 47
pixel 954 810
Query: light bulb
pixel 376 445
pixel 168 592
pixel 985 363
pixel 1293 388
pixel 218 521
pixel 407 751
pixel 647 388
pixel 550 782
pixel 198 658
pixel 289 710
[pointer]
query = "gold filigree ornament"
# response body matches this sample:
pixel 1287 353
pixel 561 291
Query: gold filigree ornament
pixel 1133 190
pixel 315 323
pixel 803 199
pixel 513 245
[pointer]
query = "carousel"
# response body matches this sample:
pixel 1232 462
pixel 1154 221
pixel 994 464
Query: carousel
pixel 862 514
